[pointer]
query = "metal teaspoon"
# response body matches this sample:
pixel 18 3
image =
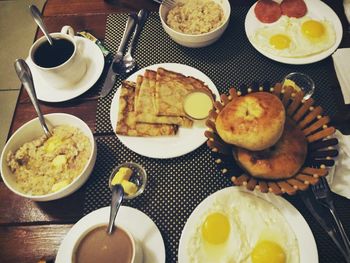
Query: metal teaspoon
pixel 129 62
pixel 25 75
pixel 117 198
pixel 37 17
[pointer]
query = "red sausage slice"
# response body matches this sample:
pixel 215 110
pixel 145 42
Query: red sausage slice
pixel 267 11
pixel 293 8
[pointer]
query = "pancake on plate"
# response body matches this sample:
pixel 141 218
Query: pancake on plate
pixel 145 104
pixel 171 90
pixel 127 124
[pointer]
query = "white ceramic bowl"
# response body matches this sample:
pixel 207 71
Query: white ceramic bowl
pixel 196 41
pixel 32 130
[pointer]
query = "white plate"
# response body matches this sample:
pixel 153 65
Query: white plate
pixel 316 9
pixel 138 223
pixel 94 67
pixel 186 140
pixel 307 245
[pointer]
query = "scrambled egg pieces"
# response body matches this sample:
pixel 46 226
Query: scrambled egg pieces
pixel 44 166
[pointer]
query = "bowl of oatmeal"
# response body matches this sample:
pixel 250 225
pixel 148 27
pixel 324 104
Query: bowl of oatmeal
pixel 195 23
pixel 44 169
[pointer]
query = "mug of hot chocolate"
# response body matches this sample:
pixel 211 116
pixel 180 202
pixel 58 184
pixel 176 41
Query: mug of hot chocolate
pixel 96 245
pixel 60 65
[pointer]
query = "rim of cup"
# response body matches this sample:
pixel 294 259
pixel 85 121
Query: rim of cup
pixel 306 78
pixel 43 39
pixel 93 227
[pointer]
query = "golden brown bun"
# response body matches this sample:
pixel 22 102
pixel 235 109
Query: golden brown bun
pixel 281 161
pixel 254 122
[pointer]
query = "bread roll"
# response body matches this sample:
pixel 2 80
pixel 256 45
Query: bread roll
pixel 254 122
pixel 281 161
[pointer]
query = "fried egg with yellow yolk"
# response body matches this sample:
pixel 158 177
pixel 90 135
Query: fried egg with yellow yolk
pixel 269 248
pixel 276 38
pixel 214 238
pixel 242 229
pixel 295 37
pixel 313 36
pixel 216 228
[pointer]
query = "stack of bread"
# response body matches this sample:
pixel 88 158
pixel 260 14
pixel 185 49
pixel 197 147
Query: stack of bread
pixel 267 144
pixel 153 105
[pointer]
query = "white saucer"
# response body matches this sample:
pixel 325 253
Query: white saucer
pixel 94 67
pixel 139 225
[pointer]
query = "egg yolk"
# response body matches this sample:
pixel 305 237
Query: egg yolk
pixel 268 252
pixel 279 41
pixel 216 228
pixel 313 29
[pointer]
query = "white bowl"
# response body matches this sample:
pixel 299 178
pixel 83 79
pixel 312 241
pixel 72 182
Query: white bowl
pixel 201 40
pixel 32 130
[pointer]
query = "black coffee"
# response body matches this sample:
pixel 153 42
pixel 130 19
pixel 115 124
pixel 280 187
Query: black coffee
pixel 48 56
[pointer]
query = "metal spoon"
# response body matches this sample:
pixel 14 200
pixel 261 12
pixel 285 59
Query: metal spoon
pixel 129 62
pixel 37 17
pixel 115 67
pixel 25 75
pixel 117 198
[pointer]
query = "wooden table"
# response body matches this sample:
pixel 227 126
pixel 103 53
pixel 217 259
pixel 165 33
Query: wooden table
pixel 30 231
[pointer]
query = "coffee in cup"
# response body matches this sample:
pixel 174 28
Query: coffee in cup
pixel 60 65
pixel 50 56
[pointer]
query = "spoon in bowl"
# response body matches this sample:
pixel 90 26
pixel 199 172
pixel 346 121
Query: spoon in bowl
pixel 25 75
pixel 37 18
pixel 117 198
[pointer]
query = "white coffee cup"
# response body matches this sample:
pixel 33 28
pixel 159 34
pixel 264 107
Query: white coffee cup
pixel 68 73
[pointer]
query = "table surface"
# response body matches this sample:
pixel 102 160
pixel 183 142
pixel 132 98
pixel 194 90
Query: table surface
pixel 30 231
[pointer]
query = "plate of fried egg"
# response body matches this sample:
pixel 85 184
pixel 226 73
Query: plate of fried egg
pixel 237 225
pixel 306 39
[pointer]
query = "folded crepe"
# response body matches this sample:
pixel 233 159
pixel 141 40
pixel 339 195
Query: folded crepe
pixel 171 90
pixel 127 124
pixel 145 103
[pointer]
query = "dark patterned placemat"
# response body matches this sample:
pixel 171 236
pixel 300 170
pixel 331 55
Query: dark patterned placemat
pixel 174 188
pixel 231 61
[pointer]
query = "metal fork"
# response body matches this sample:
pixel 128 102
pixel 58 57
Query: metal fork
pixel 317 211
pixel 324 196
pixel 168 3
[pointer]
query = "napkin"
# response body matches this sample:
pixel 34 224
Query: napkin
pixel 339 175
pixel 346 4
pixel 341 64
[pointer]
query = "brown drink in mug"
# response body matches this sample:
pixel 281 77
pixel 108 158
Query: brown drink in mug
pixel 60 65
pixel 97 246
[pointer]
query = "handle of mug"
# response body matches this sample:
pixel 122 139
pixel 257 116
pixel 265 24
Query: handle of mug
pixel 68 30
